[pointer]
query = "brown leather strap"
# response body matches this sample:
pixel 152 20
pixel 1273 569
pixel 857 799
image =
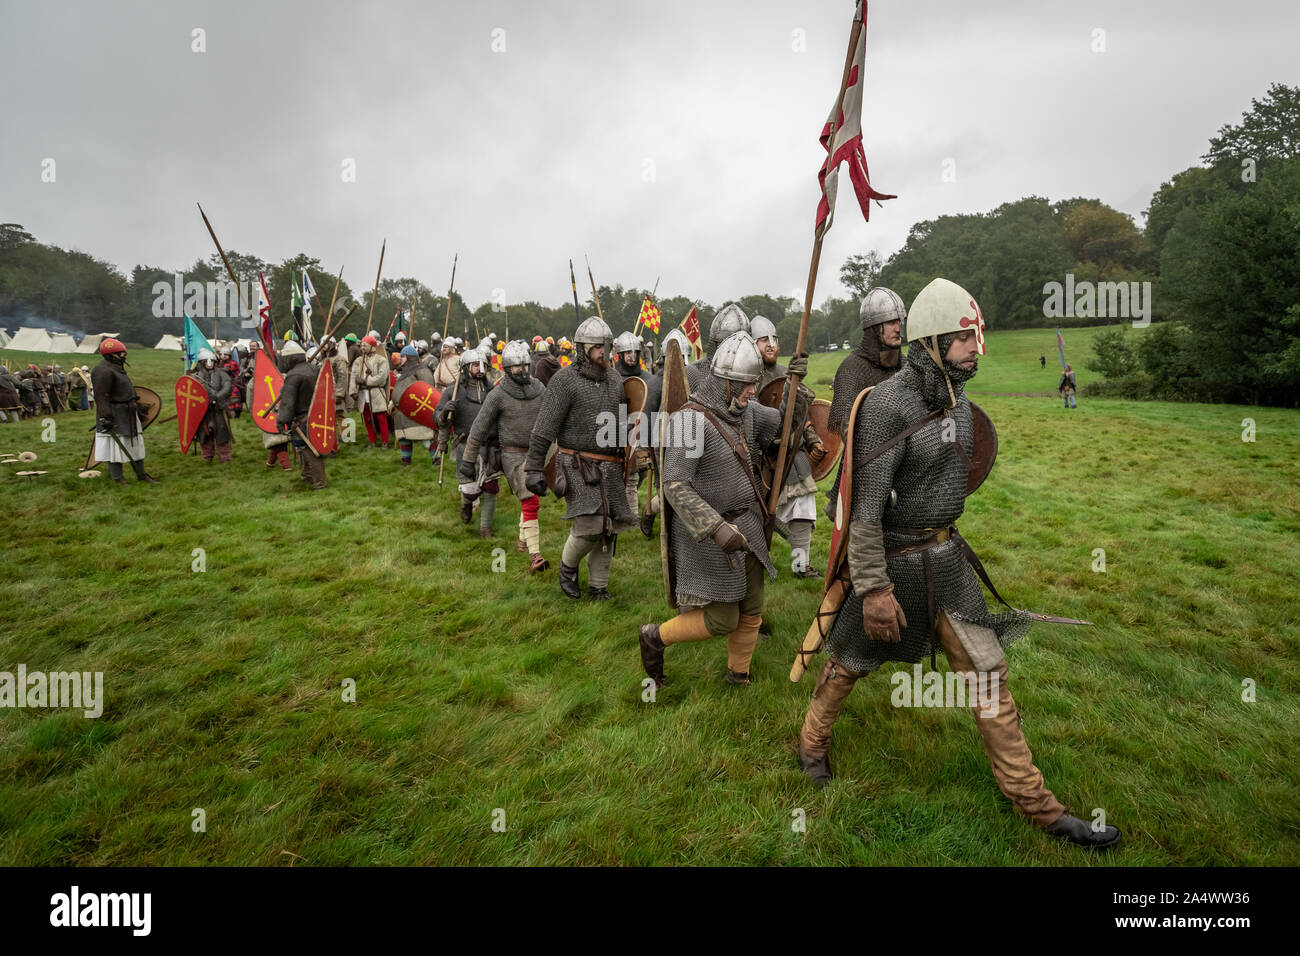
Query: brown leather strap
pixel 591 454
pixel 886 445
pixel 973 560
pixel 515 448
pixel 739 449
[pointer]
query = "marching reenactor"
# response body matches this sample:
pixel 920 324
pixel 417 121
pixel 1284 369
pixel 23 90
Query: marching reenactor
pixel 295 408
pixel 338 359
pixel 545 364
pixel 118 435
pixel 233 370
pixel 797 508
pixel 912 578
pixel 500 435
pixel 457 409
pixel 448 368
pixel 580 408
pixel 58 389
pixel 627 350
pixel 729 320
pixel 715 511
pixel 370 383
pixel 408 430
pixel 215 427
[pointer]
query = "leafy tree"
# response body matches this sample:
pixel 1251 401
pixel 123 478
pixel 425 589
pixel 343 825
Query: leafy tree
pixel 859 273
pixel 1269 131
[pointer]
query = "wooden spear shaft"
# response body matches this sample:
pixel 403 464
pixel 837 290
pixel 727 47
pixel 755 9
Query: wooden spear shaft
pixel 792 388
pixel 451 288
pixel 329 316
pixel 594 294
pixel 229 271
pixel 375 295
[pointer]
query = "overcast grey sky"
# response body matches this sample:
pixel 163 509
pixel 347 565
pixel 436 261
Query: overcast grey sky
pixel 674 139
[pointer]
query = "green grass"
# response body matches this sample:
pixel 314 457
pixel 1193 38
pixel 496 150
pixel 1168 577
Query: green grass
pixel 479 690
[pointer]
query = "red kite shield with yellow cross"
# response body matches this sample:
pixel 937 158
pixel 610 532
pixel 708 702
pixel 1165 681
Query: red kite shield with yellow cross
pixel 267 382
pixel 191 405
pixel 418 402
pixel 321 430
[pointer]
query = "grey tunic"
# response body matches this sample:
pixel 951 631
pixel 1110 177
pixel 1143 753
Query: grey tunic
pixel 506 420
pixel 219 387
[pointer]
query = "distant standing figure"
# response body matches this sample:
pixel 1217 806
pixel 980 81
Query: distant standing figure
pixel 1042 361
pixel 1067 386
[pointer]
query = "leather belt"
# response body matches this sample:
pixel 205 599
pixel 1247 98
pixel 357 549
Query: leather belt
pixel 935 538
pixel 515 448
pixel 592 454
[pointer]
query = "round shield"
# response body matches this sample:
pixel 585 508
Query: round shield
pixel 150 404
pixel 418 402
pixel 771 393
pixel 984 449
pixel 819 415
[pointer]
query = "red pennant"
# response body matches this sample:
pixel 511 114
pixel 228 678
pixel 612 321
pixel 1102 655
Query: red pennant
pixel 321 430
pixel 267 382
pixel 191 405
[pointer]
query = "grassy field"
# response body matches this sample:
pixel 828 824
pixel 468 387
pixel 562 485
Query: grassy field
pixel 485 696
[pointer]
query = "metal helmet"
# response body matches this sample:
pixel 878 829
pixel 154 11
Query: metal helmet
pixel 729 320
pixel 761 328
pixel 292 348
pixel 593 331
pixel 678 336
pixel 400 337
pixel 540 346
pixel 881 305
pixel 738 359
pixel 627 342
pixel 469 357
pixel 109 346
pixel 410 351
pixel 516 353
pixel 943 307
pixel 205 355
pixel 436 337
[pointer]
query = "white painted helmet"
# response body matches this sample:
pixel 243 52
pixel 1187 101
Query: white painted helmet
pixel 943 307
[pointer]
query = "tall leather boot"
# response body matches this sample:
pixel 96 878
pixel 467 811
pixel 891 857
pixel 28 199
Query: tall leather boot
pixel 315 470
pixel 1004 741
pixel 833 686
pixel 687 626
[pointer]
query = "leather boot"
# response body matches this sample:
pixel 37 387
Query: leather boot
pixel 652 653
pixel 599 594
pixel 833 686
pixel 466 509
pixel 537 563
pixel 648 524
pixel 1079 833
pixel 316 471
pixel 569 581
pixel 485 532
pixel 737 680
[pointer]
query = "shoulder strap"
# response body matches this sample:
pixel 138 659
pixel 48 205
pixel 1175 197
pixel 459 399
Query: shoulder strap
pixel 738 448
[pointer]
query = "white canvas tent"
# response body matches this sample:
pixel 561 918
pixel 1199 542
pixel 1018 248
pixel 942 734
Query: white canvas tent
pixel 62 342
pixel 91 342
pixel 31 340
pixel 172 343
pixel 4 339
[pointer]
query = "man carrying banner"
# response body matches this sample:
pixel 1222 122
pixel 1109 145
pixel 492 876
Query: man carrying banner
pixel 295 408
pixel 214 430
pixel 500 437
pixel 796 511
pixel 580 414
pixel 913 578
pixel 457 409
pixel 118 436
pixel 409 431
pixel 715 512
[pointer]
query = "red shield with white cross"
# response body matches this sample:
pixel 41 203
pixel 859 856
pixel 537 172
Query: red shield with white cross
pixel 418 402
pixel 191 405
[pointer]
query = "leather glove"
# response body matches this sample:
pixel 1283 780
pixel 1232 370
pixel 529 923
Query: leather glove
pixel 882 616
pixel 535 481
pixel 448 408
pixel 466 470
pixel 799 365
pixel 642 459
pixel 816 452
pixel 730 538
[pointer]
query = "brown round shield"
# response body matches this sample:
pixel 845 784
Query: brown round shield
pixel 150 405
pixel 819 414
pixel 771 393
pixel 984 449
pixel 634 392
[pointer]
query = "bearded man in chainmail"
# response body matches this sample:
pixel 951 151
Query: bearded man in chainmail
pixel 501 434
pixel 214 430
pixel 914 584
pixel 729 320
pixel 878 356
pixel 717 517
pixel 457 409
pixel 580 414
pixel 796 511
